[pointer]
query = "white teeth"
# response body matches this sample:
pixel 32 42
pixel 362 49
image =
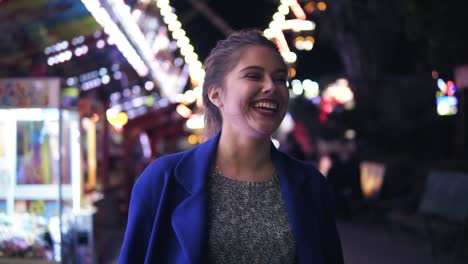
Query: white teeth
pixel 269 105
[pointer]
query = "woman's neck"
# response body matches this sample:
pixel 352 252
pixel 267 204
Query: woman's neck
pixel 244 158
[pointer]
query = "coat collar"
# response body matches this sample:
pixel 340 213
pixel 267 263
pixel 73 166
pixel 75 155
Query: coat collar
pixel 189 219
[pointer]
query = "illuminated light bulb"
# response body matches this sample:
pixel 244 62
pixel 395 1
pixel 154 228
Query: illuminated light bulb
pixel 183 111
pixel 191 57
pixel 190 96
pixel 169 17
pixel 309 8
pixel 149 85
pixel 279 17
pixel 292 72
pixel 192 139
pixel 299 45
pixel 50 61
pixel 174 25
pixel 311 88
pixel 350 134
pixel 180 98
pixel 275 25
pixel 178 33
pixel 443 108
pixel 100 44
pixel 283 9
pixel 289 57
pixel 195 122
pixel 269 33
pixel 162 3
pixel 183 41
pixel 442 85
pixel 311 39
pixel 186 49
pixel 136 13
pixel 322 6
pixel 287 2
pixel 105 79
pixel 297 88
pixel 308 45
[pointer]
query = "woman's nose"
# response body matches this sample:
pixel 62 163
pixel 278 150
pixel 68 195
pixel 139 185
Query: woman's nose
pixel 269 85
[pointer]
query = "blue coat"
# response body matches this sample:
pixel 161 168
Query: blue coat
pixel 167 221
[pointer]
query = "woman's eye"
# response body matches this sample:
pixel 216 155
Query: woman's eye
pixel 281 80
pixel 254 76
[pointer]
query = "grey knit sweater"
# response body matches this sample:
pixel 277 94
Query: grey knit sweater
pixel 248 222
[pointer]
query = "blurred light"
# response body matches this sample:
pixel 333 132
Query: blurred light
pixel 136 90
pixel 279 17
pixel 309 8
pixel 149 85
pixel 289 57
pixel 350 134
pixel 100 44
pixel 195 122
pixel 371 178
pixel 105 79
pixel 275 142
pixel 311 88
pixel 145 145
pixel 297 88
pixel 298 25
pixel 283 9
pixel 95 117
pixel 292 72
pixel 442 85
pixel 117 75
pixel 192 139
pixel 447 105
pixel 102 71
pixel 322 6
pixel 183 111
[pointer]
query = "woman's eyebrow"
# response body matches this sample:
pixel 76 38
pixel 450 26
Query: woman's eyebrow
pixel 255 67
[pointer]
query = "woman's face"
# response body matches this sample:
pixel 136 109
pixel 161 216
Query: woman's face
pixel 254 99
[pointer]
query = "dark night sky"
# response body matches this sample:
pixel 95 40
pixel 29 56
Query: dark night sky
pixel 321 60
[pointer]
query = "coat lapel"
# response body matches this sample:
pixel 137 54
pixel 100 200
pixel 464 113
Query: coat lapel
pixel 189 219
pixel 300 207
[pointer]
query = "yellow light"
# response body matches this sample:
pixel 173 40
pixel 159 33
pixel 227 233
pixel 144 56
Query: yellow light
pixel 371 178
pixel 292 72
pixel 183 111
pixel 299 38
pixel 192 139
pixel 122 118
pixel 321 6
pixel 309 8
pixel 278 17
pixel 283 9
pixel 310 38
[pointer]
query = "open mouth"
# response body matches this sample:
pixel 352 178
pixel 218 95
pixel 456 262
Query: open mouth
pixel 266 106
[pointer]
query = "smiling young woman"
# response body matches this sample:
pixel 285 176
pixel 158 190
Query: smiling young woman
pixel 234 198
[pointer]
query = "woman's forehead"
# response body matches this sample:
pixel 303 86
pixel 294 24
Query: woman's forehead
pixel 260 56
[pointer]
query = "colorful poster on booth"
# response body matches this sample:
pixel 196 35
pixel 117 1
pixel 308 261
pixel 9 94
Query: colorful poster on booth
pixel 29 92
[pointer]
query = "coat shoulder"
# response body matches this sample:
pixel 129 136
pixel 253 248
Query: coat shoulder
pixel 307 168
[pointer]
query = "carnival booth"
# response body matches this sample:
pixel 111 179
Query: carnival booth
pixel 42 213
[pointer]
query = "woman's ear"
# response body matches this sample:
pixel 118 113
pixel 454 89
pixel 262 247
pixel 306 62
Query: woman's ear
pixel 214 94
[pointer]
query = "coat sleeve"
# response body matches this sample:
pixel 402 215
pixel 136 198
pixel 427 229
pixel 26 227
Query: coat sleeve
pixel 146 200
pixel 330 240
pixel 139 227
